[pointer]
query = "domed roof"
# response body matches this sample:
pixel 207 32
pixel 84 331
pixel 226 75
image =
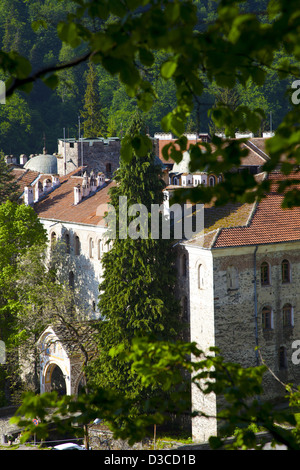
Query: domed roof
pixel 44 163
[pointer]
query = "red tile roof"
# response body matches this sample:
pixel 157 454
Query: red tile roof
pixel 256 151
pixel 24 177
pixel 59 204
pixel 270 223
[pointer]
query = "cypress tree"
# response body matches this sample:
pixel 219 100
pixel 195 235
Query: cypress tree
pixel 93 118
pixel 137 295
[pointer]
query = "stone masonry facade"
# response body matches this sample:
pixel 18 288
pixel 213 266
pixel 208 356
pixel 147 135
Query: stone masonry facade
pixel 99 155
pixel 227 303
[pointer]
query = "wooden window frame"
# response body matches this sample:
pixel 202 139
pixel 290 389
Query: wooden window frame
pixel 265 278
pixel 285 272
pixel 287 315
pixel 267 318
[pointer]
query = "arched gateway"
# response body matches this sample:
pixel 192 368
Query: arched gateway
pixel 61 360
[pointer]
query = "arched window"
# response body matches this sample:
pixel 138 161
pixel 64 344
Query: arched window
pixel 91 248
pixel 265 274
pixel 71 280
pixel 200 277
pixel 212 181
pixel 232 278
pixel 67 241
pixel 267 318
pixel 285 272
pixel 77 245
pixel 287 315
pixel 282 359
pixel 53 239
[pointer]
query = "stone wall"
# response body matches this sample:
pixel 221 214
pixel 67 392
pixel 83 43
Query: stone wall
pixel 99 155
pixel 225 307
pixel 235 310
pixel 86 266
pixel 202 330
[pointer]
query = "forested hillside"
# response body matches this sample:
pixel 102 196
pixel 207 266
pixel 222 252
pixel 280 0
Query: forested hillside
pixel 27 118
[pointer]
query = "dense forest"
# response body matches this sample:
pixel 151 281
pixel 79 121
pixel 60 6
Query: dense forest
pixel 29 27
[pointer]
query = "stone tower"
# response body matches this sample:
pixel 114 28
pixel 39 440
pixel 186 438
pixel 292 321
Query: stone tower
pixel 99 154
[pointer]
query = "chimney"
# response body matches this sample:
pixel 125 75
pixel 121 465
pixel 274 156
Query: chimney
pixel 93 182
pixel 46 185
pixel 100 179
pixel 77 194
pixel 55 181
pixel 85 186
pixel 28 196
pixel 38 191
pixel 23 159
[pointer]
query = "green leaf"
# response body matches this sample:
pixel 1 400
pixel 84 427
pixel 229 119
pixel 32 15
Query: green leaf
pixel 52 81
pixel 129 75
pixel 145 101
pixel 168 69
pixel 146 57
pixel 69 33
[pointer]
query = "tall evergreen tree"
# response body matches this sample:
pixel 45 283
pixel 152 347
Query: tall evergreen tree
pixel 94 121
pixel 137 293
pixel 9 189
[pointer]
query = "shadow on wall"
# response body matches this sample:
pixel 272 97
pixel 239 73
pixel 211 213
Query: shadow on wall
pixel 77 269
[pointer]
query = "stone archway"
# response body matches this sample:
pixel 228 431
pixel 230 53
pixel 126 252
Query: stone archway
pixel 55 379
pixel 61 361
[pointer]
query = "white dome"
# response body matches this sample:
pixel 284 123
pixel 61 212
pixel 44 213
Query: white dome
pixel 45 164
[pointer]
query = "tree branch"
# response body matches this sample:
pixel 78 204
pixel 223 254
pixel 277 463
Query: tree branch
pixel 18 82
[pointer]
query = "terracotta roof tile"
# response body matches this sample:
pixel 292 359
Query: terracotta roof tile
pixel 59 204
pixel 24 177
pixel 270 223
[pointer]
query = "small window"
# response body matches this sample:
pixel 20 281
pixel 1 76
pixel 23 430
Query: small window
pixel 53 239
pixel 91 248
pixel 265 274
pixel 285 272
pixel 108 167
pixel 232 278
pixel 200 277
pixel 77 245
pixel 267 321
pixel 287 315
pixel 71 280
pixel 67 241
pixel 282 358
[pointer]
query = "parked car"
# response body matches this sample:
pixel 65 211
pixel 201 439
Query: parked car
pixel 68 446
